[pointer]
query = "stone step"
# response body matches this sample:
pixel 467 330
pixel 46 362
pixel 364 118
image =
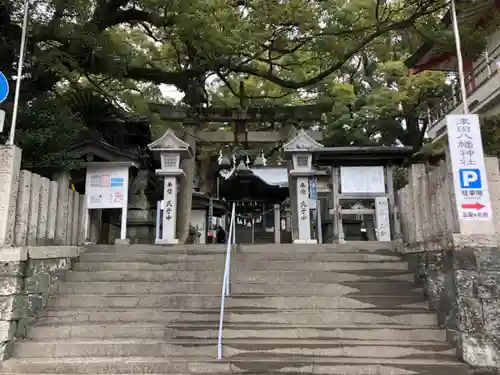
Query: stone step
pixel 154 249
pixel 300 287
pixel 160 330
pixel 250 365
pixel 218 267
pixel 213 301
pixel 350 247
pixel 189 315
pixel 207 348
pixel 419 318
pixel 241 276
pixel 236 258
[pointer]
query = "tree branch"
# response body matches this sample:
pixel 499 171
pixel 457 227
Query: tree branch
pixel 382 29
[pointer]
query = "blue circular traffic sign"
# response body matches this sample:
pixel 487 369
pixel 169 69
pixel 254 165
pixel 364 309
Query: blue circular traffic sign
pixel 4 87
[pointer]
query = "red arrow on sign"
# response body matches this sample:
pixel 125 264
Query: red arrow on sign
pixel 473 206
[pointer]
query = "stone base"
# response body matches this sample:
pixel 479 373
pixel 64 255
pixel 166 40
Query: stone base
pixel 119 241
pixel 172 241
pixel 305 242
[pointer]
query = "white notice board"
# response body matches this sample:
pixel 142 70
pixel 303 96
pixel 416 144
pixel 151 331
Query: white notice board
pixel 106 185
pixel 469 171
pixel 382 218
pixel 362 180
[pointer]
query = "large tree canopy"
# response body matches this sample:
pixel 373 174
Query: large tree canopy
pixel 132 44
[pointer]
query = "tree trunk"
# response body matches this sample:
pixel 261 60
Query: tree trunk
pixel 185 198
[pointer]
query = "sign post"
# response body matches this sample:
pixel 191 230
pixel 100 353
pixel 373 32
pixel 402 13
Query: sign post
pixel 382 219
pixel 469 174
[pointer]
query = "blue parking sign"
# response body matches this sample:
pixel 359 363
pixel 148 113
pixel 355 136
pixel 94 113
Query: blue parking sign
pixel 470 179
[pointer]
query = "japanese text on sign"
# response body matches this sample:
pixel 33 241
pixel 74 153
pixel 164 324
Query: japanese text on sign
pixel 469 172
pixel 303 197
pixel 168 200
pixel 382 219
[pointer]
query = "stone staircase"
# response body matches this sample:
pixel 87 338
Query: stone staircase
pixel 324 309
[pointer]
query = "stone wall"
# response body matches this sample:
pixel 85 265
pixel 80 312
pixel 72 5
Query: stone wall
pixel 28 276
pixel 48 212
pixel 460 274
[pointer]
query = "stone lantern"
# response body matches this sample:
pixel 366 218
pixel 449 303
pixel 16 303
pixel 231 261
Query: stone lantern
pixel 299 149
pixel 172 151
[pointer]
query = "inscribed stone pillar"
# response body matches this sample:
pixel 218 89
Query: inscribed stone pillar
pixel 169 211
pixel 23 209
pixel 302 204
pixel 62 209
pixel 52 212
pixel 36 185
pixel 10 166
pixel 43 211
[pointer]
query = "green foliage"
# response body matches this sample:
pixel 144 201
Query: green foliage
pixel 490 131
pixel 47 128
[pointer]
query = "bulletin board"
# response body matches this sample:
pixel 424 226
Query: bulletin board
pixel 106 185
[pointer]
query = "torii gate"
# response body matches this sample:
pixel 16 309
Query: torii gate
pixel 286 116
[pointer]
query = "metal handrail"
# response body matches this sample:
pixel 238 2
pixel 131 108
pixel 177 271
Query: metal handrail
pixel 231 240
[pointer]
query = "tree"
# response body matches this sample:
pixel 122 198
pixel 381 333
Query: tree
pixel 181 42
pixel 119 46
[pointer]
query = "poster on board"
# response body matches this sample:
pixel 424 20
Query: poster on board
pixel 107 185
pixel 355 180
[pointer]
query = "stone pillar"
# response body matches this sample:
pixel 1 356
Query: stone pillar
pixel 23 209
pixel 75 219
pixel 393 210
pixel 294 223
pixel 186 185
pixel 82 224
pixel 277 224
pixel 169 211
pixel 69 215
pixel 43 212
pixel 302 204
pixel 52 212
pixel 10 167
pixel 493 174
pixel 62 209
pixel 36 185
pixel 335 204
pixel 417 173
